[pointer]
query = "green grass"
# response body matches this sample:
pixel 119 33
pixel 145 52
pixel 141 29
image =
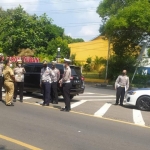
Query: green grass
pixel 91 75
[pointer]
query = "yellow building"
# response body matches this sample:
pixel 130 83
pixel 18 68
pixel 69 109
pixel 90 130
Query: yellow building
pixel 96 47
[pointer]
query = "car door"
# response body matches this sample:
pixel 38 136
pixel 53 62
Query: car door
pixel 28 81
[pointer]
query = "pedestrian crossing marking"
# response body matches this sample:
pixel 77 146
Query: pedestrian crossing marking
pixel 137 117
pixel 96 96
pixel 77 103
pixel 102 110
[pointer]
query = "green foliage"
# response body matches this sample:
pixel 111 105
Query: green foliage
pixel 98 63
pixel 62 44
pixel 19 30
pixel 117 64
pixel 72 40
pixel 148 52
pixel 72 58
pixel 89 60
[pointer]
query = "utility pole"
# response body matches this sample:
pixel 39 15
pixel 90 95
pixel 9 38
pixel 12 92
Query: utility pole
pixel 107 60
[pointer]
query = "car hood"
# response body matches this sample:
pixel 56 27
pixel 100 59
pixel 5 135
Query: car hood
pixel 140 89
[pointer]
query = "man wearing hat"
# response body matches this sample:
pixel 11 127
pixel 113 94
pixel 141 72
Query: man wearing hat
pixel 66 85
pixel 45 82
pixel 19 71
pixel 1 74
pixel 54 84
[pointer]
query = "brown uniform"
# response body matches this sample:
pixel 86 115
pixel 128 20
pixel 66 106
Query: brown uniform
pixel 9 84
pixel 19 82
pixel 1 79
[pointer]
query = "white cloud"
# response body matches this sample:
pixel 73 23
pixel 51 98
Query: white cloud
pixel 28 5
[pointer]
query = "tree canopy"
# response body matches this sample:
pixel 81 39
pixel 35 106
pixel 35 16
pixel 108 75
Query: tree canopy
pixel 20 30
pixel 126 23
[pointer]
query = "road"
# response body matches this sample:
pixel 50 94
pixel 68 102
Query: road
pixel 93 124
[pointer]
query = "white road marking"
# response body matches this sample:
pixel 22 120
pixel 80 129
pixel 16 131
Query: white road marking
pixel 102 110
pixel 77 103
pixel 94 100
pixel 137 117
pixel 88 93
pixel 25 97
pixel 96 96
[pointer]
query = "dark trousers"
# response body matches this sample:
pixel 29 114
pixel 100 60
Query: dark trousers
pixel 46 92
pixel 66 93
pixel 120 95
pixel 18 86
pixel 54 91
pixel 1 85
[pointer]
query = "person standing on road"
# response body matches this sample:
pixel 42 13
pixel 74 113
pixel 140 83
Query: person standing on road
pixel 45 83
pixel 19 71
pixel 8 83
pixel 1 75
pixel 66 85
pixel 54 84
pixel 121 86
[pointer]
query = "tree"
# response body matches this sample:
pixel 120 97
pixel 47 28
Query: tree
pixel 62 44
pixel 98 63
pixel 126 24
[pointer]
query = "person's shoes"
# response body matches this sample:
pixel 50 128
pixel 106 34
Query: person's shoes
pixel 116 104
pixel 11 104
pixel 14 100
pixel 55 102
pixel 121 104
pixel 65 110
pixel 62 109
pixel 21 101
pixel 45 105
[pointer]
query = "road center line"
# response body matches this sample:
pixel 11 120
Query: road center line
pixel 18 142
pixel 78 103
pixel 102 110
pixel 137 117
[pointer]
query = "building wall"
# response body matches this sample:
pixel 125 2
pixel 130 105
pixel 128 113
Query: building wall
pixel 96 47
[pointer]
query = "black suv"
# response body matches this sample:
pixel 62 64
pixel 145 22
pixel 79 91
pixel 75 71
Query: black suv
pixel 32 78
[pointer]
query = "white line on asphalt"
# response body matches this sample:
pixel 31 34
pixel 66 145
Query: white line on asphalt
pixel 25 97
pixel 137 117
pixel 102 110
pixel 77 103
pixel 94 100
pixel 95 96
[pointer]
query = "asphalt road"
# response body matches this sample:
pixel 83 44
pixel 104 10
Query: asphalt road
pixel 50 129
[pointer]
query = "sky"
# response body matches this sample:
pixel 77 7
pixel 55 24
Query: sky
pixel 78 17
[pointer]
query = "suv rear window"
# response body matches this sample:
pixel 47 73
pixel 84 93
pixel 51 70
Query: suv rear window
pixel 75 71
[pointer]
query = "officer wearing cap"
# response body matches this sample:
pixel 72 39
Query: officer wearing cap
pixel 45 83
pixel 8 82
pixel 54 84
pixel 19 71
pixel 66 85
pixel 1 74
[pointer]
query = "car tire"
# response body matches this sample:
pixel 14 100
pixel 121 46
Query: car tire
pixel 143 103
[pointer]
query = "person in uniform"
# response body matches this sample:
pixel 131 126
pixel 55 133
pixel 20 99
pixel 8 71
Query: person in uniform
pixel 19 71
pixel 121 86
pixel 45 83
pixel 8 83
pixel 55 79
pixel 1 75
pixel 66 85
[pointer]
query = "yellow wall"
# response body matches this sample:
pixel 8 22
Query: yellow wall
pixel 96 47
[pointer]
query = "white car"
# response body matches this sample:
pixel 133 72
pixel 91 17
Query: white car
pixel 139 97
